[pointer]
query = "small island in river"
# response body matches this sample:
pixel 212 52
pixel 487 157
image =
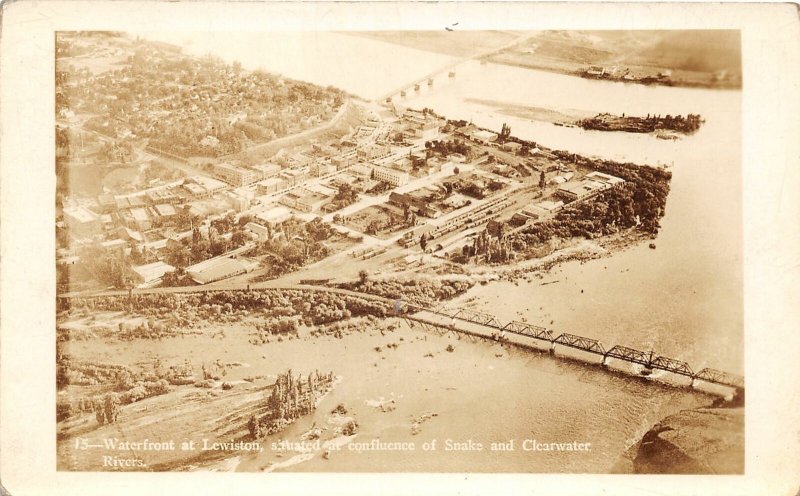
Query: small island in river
pixel 650 124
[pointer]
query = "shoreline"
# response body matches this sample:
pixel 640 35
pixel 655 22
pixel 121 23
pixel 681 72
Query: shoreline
pixel 575 72
pixel 360 406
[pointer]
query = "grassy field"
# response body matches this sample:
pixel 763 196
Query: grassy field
pixel 693 56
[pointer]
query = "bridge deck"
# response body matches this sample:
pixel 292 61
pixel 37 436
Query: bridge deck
pixel 582 343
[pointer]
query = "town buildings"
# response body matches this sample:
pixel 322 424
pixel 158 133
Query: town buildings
pixel 305 200
pixel 236 176
pixel 392 176
pixel 271 185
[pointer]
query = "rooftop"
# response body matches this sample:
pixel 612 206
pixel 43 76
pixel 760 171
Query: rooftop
pixel 275 214
pixel 605 178
pixel 484 135
pixel 165 210
pixel 153 271
pixel 216 269
pixel 208 183
pixel 80 214
pixel 139 214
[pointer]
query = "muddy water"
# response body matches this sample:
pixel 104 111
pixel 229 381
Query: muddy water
pixel 683 299
pixel 484 398
pixel 481 392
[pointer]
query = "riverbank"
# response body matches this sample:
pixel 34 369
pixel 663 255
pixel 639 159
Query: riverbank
pixel 679 79
pixel 707 440
pixel 683 58
pixel 452 376
pixel 680 58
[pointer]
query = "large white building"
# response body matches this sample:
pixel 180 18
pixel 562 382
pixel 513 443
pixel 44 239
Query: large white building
pixel 237 176
pixel 591 185
pixel 392 176
pixel 267 170
pixel 82 221
pixel 271 185
pixel 485 137
pixel 151 274
pixel 274 215
pixel 218 268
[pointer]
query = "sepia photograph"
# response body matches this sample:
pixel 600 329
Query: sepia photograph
pixel 399 248
pixel 478 251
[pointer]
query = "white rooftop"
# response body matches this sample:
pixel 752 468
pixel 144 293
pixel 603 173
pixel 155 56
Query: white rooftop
pixel 209 183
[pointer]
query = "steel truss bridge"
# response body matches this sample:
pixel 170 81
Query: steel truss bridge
pixel 497 331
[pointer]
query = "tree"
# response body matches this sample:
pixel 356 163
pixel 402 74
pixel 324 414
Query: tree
pixel 456 170
pixel 423 241
pixel 174 278
pixel 346 194
pixel 363 275
pixel 107 410
pixel 62 367
pixel 505 133
pixel 373 227
pixel 238 238
pixel 542 180
pixel 254 426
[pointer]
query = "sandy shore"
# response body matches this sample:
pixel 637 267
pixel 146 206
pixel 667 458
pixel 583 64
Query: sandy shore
pixel 563 116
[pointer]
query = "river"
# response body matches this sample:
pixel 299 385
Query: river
pixel 683 299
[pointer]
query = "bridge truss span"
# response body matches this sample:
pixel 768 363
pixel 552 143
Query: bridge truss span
pixel 580 343
pixel 629 354
pixel 672 365
pixel 476 317
pixel 720 377
pixel 529 330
